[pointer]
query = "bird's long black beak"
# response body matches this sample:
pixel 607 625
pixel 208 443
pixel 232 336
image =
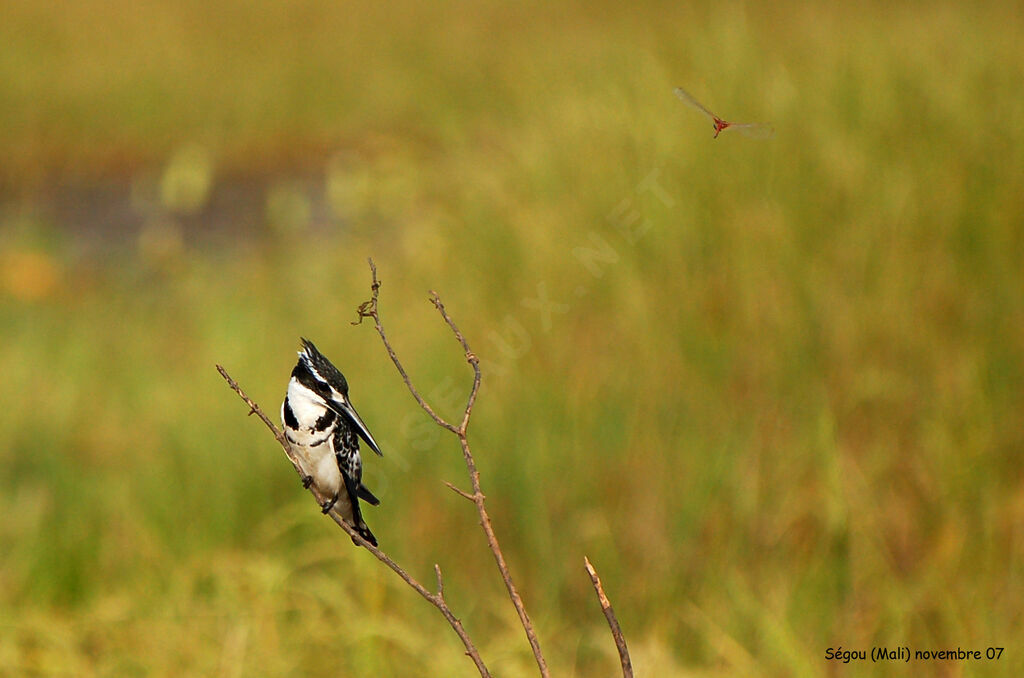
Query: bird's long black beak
pixel 345 409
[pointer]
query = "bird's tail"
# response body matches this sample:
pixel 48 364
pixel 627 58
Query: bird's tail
pixel 353 488
pixel 365 533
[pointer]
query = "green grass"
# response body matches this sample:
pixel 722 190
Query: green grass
pixel 779 400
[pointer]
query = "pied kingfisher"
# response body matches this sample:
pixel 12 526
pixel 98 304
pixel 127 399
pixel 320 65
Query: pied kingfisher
pixel 323 429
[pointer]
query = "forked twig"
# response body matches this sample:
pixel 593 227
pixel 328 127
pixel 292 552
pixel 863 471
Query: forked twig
pixel 436 599
pixel 613 623
pixel 369 309
pixel 461 493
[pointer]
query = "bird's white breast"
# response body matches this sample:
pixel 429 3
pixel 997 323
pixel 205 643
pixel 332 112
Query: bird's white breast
pixel 314 449
pixel 306 405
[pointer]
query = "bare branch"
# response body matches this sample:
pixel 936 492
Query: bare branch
pixel 370 309
pixel 435 599
pixel 461 493
pixel 470 358
pixel 255 409
pixel 613 623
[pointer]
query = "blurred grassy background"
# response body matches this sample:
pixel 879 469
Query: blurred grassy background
pixel 773 389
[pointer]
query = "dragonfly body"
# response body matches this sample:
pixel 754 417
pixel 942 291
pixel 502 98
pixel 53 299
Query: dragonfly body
pixel 719 126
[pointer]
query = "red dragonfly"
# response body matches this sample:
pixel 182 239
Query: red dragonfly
pixel 750 129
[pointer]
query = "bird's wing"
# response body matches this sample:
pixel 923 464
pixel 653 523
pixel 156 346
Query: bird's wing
pixel 367 496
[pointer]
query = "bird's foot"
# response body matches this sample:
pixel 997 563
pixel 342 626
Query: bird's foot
pixel 326 507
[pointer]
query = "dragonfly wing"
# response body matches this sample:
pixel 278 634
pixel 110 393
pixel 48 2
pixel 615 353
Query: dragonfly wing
pixel 688 99
pixel 753 130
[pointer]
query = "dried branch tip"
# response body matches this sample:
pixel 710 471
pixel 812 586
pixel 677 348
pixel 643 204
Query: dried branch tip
pixel 440 582
pixel 613 622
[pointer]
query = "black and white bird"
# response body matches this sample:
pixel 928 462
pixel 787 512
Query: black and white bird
pixel 323 429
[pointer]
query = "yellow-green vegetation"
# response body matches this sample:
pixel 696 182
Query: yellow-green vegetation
pixel 773 389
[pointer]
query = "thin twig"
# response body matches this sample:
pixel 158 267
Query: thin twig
pixel 255 409
pixel 436 599
pixel 369 309
pixel 613 623
pixel 461 493
pixel 470 358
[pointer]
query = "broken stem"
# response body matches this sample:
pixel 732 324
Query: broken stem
pixel 613 623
